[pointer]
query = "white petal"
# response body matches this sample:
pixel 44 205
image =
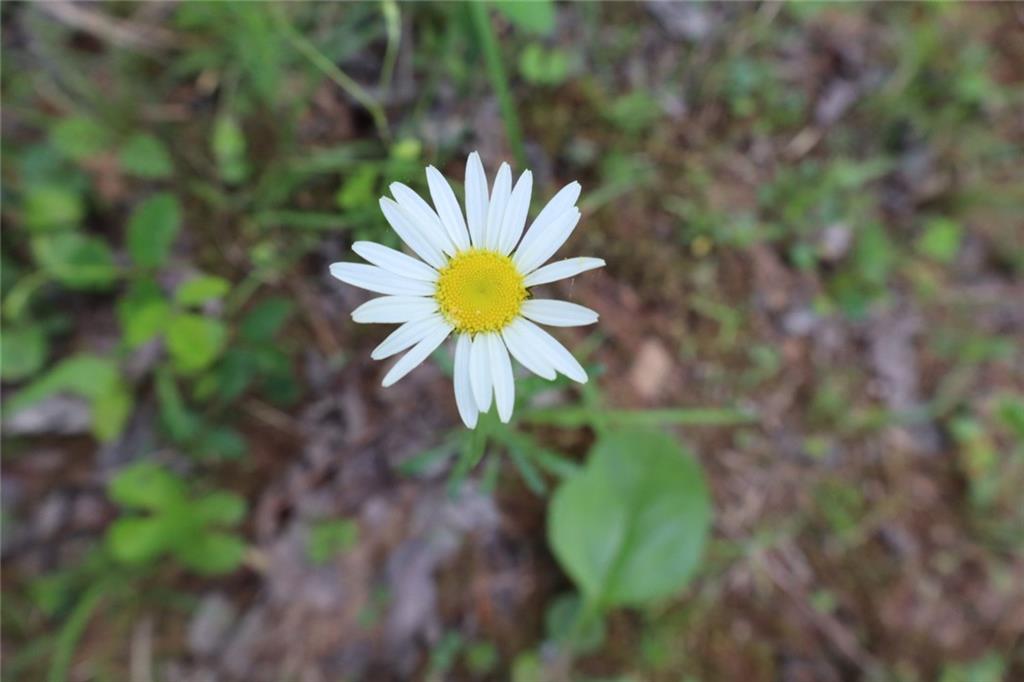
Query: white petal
pixel 501 375
pixel 418 354
pixel 480 373
pixel 559 204
pixel 464 399
pixel 372 278
pixel 421 213
pixel 411 234
pixel 395 261
pixel 447 208
pixel 514 220
pixel 395 309
pixel 476 199
pixel 527 355
pixel 531 256
pixel 570 267
pixel 496 208
pixel 553 351
pixel 558 313
pixel 405 336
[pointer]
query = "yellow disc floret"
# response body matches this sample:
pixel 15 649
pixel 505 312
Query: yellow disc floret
pixel 480 291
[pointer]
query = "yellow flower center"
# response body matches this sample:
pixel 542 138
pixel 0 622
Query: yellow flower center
pixel 480 291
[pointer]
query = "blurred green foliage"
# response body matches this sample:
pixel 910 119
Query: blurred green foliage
pixel 180 191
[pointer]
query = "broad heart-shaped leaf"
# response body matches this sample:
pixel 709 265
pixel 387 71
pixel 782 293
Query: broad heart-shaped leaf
pixel 631 527
pixel 136 540
pixel 195 341
pixel 152 229
pixel 146 485
pixel 211 552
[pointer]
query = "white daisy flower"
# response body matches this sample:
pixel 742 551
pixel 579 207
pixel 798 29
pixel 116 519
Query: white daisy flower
pixel 473 281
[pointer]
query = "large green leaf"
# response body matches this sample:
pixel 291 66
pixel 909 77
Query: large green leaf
pixel 631 527
pixel 153 228
pixel 195 341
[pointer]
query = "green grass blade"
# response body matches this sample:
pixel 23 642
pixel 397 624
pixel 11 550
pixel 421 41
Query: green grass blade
pixel 499 78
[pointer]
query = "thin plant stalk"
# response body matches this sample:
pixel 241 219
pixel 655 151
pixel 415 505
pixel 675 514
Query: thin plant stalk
pixel 499 78
pixel 331 70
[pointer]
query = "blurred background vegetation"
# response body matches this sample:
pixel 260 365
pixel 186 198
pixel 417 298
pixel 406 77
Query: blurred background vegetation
pixel 812 217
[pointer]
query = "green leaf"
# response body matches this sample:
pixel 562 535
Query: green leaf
pixel 264 320
pixel 152 229
pixel 80 137
pixel 52 207
pixel 143 312
pixel 211 552
pixel 542 66
pixel 136 540
pixel 328 538
pixel 229 149
pixel 180 423
pixel 22 351
pixel 145 156
pixel 1010 410
pixel 631 527
pixel 221 508
pixel 874 254
pixel 358 189
pixel 201 289
pixel 194 341
pixel 941 240
pixel 110 411
pixel 145 485
pixel 534 16
pixel 88 376
pixel 76 260
pixel 219 443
